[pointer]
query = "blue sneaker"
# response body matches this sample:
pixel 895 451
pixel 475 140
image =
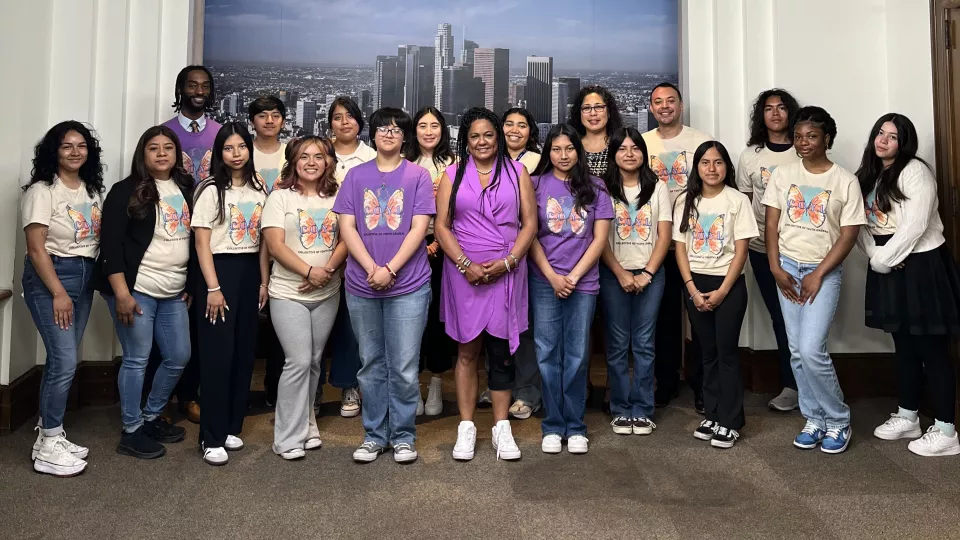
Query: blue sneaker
pixel 809 437
pixel 836 440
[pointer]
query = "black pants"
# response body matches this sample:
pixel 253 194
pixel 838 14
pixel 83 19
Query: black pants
pixel 228 347
pixel 914 353
pixel 501 365
pixel 718 332
pixel 669 337
pixel 771 298
pixel 437 349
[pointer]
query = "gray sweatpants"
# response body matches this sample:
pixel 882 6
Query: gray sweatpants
pixel 303 330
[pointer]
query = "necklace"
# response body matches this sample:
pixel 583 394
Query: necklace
pixel 484 173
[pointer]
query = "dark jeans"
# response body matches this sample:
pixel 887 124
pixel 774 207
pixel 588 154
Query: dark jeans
pixel 771 298
pixel 914 353
pixel 228 347
pixel 344 349
pixel 718 333
pixel 437 350
pixel 669 337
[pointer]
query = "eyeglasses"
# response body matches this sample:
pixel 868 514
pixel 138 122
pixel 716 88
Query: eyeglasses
pixel 595 108
pixel 386 130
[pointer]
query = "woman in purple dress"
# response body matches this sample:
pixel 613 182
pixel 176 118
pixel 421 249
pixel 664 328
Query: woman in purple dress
pixel 486 219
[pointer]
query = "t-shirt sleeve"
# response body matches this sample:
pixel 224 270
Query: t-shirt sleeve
pixel 604 209
pixel 745 226
pixel 37 205
pixel 852 212
pixel 344 202
pixel 677 218
pixel 205 209
pixel 274 211
pixel 771 197
pixel 663 202
pixel 743 177
pixel 425 204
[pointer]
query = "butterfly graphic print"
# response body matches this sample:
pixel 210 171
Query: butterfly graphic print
pixel 807 204
pixel 309 232
pixel 269 178
pixel 240 228
pixel 174 221
pixel 377 212
pixel 632 222
pixel 875 216
pixel 561 216
pixel 707 231
pixel 83 227
pixel 200 169
pixel 765 174
pixel 676 175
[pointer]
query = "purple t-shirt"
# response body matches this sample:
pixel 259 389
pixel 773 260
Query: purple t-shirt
pixel 564 234
pixel 384 205
pixel 197 147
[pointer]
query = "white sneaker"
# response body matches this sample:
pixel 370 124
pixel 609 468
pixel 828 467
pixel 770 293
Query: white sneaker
pixel 788 400
pixel 503 441
pixel 75 449
pixel 313 443
pixel 420 406
pixel 55 458
pixel 293 453
pixel 233 443
pixel 434 405
pixel 215 456
pixel 551 444
pixel 404 453
pixel 350 403
pixel 466 441
pixel 898 427
pixel 578 444
pixel 934 443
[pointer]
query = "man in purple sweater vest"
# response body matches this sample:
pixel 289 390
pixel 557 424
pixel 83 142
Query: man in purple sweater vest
pixel 193 97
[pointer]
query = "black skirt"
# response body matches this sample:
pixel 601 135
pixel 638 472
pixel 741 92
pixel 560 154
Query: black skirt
pixel 922 298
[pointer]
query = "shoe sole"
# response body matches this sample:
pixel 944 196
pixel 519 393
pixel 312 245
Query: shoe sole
pixel 366 458
pixel 317 447
pixel 126 451
pixel 953 451
pixel 908 435
pixel 781 408
pixel 59 471
pixel 577 451
pixel 521 416
pixel 826 450
pixel 406 458
pixel 702 436
pixel 349 414
pixel 82 455
pixel 642 431
pixel 510 457
pixel 721 444
pixel 806 446
pixel 623 430
pixel 168 439
pixel 551 450
pixel 462 456
pixel 215 463
pixel 292 458
pixel 233 449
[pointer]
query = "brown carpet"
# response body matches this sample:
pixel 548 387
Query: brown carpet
pixel 667 485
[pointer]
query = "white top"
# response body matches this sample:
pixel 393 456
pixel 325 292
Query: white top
pixel 345 162
pixel 753 174
pixel 529 160
pixel 711 239
pixel 72 217
pixel 163 270
pixel 914 222
pixel 269 166
pixel 239 230
pixel 185 122
pixel 672 159
pixel 435 174
pixel 634 232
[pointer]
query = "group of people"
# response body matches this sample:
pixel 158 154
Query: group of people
pixel 410 254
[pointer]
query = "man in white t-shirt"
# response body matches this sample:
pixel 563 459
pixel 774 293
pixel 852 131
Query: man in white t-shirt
pixel 267 114
pixel 671 146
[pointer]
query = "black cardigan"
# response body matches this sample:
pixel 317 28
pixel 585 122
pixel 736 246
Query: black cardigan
pixel 125 239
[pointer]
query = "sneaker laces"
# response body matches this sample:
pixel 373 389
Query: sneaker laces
pixel 834 433
pixel 619 419
pixel 933 434
pixel 369 446
pixel 707 424
pixel 351 395
pixel 810 428
pixel 895 420
pixel 504 435
pixel 402 446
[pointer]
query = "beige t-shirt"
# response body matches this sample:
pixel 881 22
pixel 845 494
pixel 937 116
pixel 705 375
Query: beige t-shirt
pixel 672 159
pixel 163 270
pixel 753 174
pixel 72 217
pixel 529 160
pixel 239 230
pixel 711 239
pixel 633 233
pixel 270 165
pixel 362 154
pixel 813 208
pixel 435 174
pixel 312 231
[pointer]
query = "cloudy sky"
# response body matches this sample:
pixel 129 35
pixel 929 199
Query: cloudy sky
pixel 634 35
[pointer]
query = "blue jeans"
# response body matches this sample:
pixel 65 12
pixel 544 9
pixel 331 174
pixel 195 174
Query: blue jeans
pixel 389 331
pixel 166 321
pixel 63 346
pixel 821 400
pixel 562 338
pixel 771 298
pixel 345 360
pixel 631 323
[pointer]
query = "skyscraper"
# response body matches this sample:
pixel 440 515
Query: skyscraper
pixel 539 91
pixel 564 92
pixel 229 104
pixel 418 86
pixel 461 91
pixel 518 95
pixel 642 120
pixel 307 116
pixel 466 55
pixel 443 58
pixel 492 66
pixel 388 84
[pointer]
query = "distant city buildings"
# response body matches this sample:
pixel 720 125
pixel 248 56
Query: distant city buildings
pixel 230 103
pixel 443 58
pixel 306 118
pixel 389 77
pixel 564 92
pixel 466 54
pixel 539 87
pixel 492 67
pixel 418 77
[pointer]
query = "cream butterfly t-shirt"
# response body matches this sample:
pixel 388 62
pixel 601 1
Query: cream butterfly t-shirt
pixel 72 217
pixel 711 238
pixel 672 159
pixel 239 230
pixel 633 233
pixel 753 175
pixel 163 270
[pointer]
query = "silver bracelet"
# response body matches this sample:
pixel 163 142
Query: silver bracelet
pixel 214 290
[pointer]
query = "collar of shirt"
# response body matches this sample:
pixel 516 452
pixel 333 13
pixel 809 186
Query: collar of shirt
pixel 362 154
pixel 185 122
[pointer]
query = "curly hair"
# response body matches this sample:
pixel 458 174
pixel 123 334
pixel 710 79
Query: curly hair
pixel 46 157
pixel 581 184
pixel 182 83
pixel 758 128
pixel 819 118
pixel 613 112
pixel 289 179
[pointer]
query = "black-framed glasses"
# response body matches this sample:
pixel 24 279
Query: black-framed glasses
pixel 598 108
pixel 390 130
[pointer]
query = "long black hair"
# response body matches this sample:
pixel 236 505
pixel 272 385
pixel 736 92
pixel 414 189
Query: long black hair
pixel 181 84
pixel 758 128
pixel 222 177
pixel 579 182
pixel 872 173
pixel 501 162
pixel 533 141
pixel 442 153
pixel 695 184
pixel 145 194
pixel 613 112
pixel 614 178
pixel 46 157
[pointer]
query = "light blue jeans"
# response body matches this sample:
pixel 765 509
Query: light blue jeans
pixel 389 331
pixel 808 325
pixel 166 321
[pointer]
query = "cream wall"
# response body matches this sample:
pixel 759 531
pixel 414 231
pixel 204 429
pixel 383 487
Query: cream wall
pixel 858 59
pixel 111 63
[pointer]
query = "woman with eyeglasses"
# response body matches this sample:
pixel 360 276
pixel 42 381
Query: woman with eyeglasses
pixel 595 116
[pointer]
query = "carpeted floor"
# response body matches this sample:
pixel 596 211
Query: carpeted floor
pixel 667 485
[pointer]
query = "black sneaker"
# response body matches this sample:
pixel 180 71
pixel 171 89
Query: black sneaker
pixel 698 403
pixel 706 431
pixel 139 445
pixel 162 431
pixel 724 438
pixel 622 425
pixel 643 426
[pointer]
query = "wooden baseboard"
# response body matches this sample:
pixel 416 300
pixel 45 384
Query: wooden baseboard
pixel 19 399
pixel 861 375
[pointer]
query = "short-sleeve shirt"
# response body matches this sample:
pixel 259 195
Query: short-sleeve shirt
pixel 713 232
pixel 384 205
pixel 813 208
pixel 72 217
pixel 163 270
pixel 565 233
pixel 238 231
pixel 270 165
pixel 672 159
pixel 311 230
pixel 634 232
pixel 753 174
pixel 435 174
pixel 345 162
pixel 529 160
